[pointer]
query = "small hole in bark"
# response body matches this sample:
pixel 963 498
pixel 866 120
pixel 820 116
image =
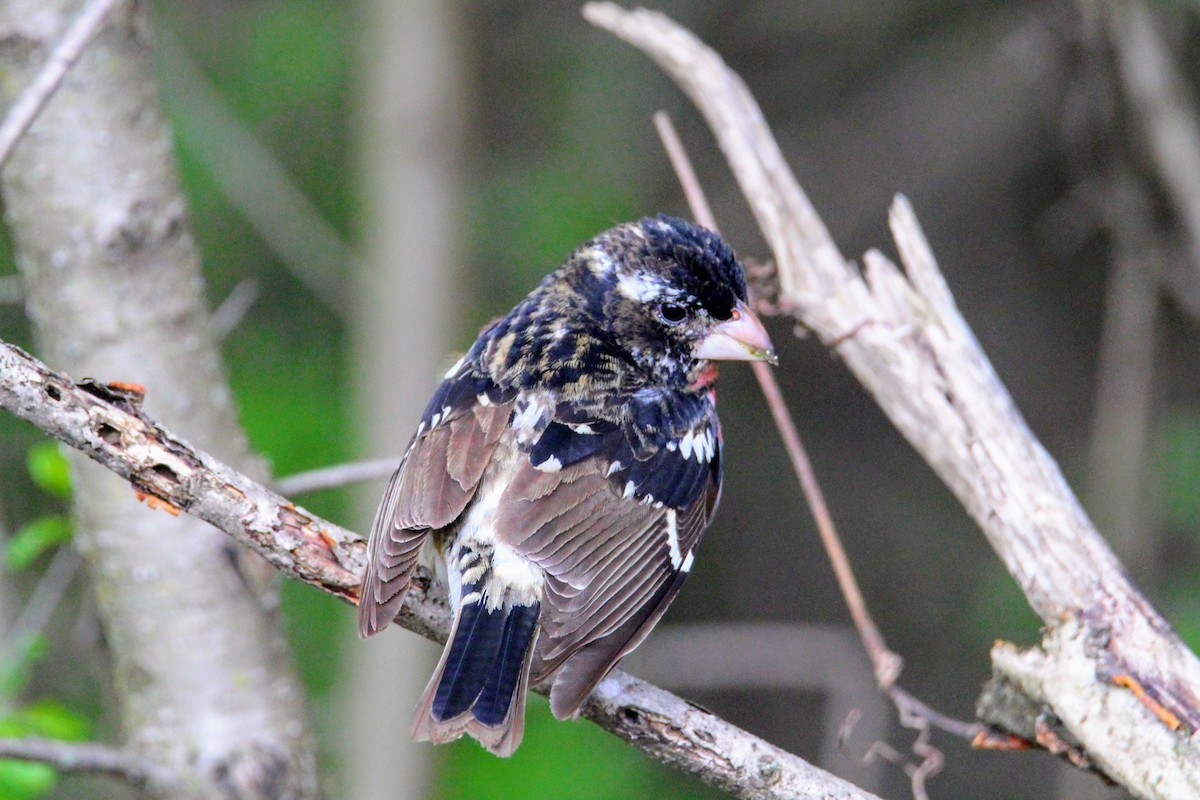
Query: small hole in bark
pixel 108 433
pixel 630 714
pixel 54 393
pixel 163 471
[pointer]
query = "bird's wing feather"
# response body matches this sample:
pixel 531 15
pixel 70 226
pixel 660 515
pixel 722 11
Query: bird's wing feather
pixel 614 555
pixel 437 477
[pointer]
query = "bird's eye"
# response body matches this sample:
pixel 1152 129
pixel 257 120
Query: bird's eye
pixel 672 313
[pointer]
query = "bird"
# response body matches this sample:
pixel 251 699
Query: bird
pixel 563 473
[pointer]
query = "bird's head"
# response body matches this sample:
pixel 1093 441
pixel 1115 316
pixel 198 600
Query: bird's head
pixel 672 297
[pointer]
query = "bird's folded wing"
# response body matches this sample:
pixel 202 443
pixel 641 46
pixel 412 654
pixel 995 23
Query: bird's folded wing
pixel 613 564
pixel 438 476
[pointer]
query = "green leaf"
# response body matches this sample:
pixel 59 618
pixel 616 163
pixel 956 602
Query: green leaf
pixel 51 719
pixel 35 538
pixel 46 718
pixel 25 780
pixel 49 469
pixel 22 780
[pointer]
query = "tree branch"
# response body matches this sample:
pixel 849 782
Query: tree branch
pixel 1110 667
pixel 885 663
pixel 25 109
pixel 336 476
pixel 106 423
pixel 87 757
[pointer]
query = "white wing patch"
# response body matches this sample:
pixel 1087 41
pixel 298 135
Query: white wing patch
pixel 673 540
pixel 450 373
pixel 529 418
pixel 551 464
pixel 702 446
pixel 685 444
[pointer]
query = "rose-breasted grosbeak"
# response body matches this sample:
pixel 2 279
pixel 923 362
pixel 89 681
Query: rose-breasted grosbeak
pixel 564 472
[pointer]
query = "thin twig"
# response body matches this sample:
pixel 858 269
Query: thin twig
pixel 230 312
pixel 1164 109
pixel 254 181
pixel 884 662
pixel 88 757
pixel 336 476
pixel 44 599
pixel 26 108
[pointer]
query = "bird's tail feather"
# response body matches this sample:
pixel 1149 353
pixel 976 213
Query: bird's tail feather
pixel 480 683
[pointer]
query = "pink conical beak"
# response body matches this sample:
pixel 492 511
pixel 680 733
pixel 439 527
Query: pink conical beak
pixel 742 337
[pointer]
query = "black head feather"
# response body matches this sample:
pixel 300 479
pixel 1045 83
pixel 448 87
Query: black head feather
pixel 698 259
pixel 626 310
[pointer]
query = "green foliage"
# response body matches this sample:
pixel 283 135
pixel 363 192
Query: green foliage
pixel 34 538
pixel 20 780
pixel 560 759
pixel 50 472
pixel 25 780
pixel 49 469
pixel 19 661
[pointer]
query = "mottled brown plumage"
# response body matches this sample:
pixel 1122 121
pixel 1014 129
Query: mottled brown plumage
pixel 565 471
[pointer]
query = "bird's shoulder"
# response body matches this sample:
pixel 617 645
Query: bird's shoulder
pixel 654 444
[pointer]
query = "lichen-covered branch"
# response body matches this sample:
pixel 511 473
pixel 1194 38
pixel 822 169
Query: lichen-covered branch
pixel 106 423
pixel 1110 663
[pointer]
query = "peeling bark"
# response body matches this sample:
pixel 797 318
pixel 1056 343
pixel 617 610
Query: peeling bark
pixel 101 422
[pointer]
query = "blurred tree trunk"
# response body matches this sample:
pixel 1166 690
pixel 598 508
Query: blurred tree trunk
pixel 410 121
pixel 115 292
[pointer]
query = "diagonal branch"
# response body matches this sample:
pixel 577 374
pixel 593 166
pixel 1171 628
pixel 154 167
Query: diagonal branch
pixel 1110 668
pixel 105 422
pixel 26 107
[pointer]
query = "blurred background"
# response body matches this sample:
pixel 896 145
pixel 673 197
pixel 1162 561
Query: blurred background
pixel 372 181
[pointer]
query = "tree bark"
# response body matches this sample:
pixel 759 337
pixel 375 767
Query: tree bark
pixel 114 288
pixel 410 129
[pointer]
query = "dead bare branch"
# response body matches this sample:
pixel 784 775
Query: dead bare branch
pixel 106 423
pixel 1110 668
